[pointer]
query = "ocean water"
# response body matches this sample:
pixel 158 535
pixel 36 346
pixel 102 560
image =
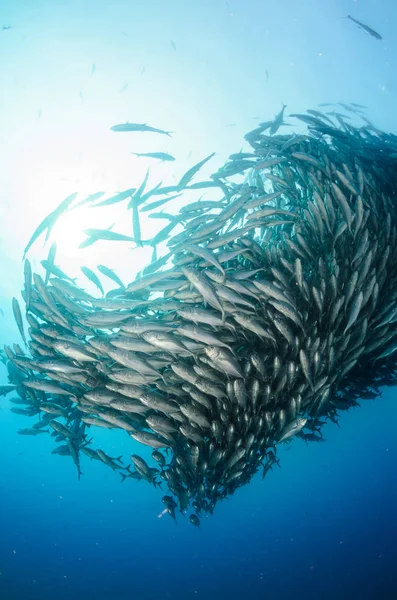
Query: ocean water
pixel 324 525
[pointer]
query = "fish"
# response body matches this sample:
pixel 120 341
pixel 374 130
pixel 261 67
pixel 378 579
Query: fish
pixel 204 287
pixel 292 429
pixel 31 431
pixel 162 156
pixel 136 225
pixel 158 402
pixel 49 221
pixel 164 340
pixel 111 274
pixel 139 127
pixel 190 173
pixel 50 262
pixel 116 199
pixel 269 312
pixel 74 351
pixel 150 439
pixel 161 424
pixel 69 288
pixel 194 520
pixel 105 234
pixel 224 360
pixel 27 272
pixel 159 458
pixel 278 121
pixel 206 255
pixel 6 389
pixel 18 318
pixel 93 277
pixel 55 271
pixel 158 203
pixel 371 32
pixel 47 386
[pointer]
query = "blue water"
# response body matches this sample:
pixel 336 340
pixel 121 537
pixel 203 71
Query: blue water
pixel 324 525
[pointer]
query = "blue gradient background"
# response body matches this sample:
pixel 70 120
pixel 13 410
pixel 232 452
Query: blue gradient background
pixel 324 526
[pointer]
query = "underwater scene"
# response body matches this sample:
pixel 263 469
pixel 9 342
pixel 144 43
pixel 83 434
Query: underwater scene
pixel 198 301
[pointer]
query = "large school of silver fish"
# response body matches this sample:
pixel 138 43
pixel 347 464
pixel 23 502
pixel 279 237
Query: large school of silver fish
pixel 274 309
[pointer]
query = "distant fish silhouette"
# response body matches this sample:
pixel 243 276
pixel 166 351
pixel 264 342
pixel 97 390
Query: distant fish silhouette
pixel 163 156
pixel 228 10
pixel 366 28
pixel 5 27
pixel 139 127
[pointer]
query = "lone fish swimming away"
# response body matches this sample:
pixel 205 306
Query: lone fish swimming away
pixel 366 28
pixel 138 127
pixel 163 156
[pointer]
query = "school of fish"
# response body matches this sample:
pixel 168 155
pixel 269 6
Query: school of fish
pixel 274 309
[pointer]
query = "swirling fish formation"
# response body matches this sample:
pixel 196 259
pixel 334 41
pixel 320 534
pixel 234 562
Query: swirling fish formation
pixel 276 310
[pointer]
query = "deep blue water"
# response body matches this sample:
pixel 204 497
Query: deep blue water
pixel 324 525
